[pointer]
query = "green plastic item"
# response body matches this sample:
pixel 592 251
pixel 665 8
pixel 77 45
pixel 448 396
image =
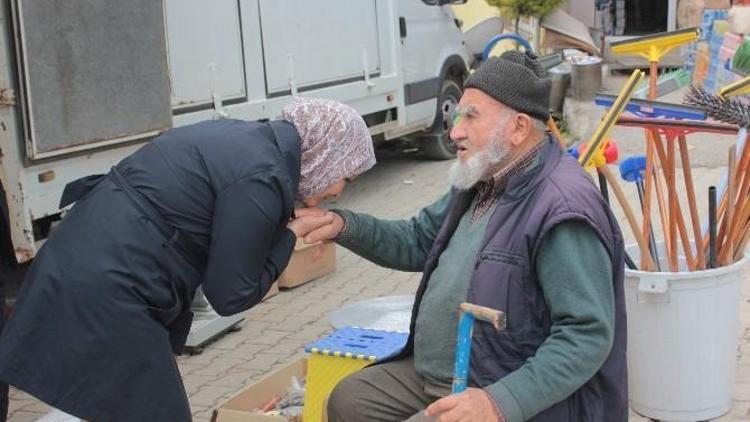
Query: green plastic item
pixel 741 60
pixel 665 83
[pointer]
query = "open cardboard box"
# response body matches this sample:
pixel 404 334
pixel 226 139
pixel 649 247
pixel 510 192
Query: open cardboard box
pixel 242 407
pixel 308 262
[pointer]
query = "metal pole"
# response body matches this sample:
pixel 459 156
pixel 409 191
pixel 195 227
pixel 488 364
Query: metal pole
pixel 712 227
pixel 652 239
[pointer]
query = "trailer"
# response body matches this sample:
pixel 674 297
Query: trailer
pixel 84 83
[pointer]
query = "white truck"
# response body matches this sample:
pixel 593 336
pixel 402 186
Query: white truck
pixel 84 83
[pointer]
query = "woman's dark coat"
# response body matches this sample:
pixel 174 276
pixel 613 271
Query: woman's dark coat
pixel 108 296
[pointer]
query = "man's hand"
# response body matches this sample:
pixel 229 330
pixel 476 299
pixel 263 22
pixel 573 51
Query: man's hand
pixel 301 226
pixel 473 405
pixel 314 231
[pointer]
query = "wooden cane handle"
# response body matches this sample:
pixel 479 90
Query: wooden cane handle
pixel 493 316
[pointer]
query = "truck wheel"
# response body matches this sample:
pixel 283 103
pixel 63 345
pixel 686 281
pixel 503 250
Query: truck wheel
pixel 438 145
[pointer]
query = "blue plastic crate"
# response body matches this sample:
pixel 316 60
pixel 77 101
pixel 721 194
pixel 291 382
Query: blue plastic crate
pixel 374 345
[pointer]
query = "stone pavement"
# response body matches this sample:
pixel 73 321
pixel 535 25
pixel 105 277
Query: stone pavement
pixel 277 330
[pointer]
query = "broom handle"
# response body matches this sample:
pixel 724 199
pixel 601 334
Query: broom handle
pixel 694 217
pixel 667 223
pixel 672 200
pixel 742 180
pixel 732 194
pixel 719 215
pixel 743 243
pixel 646 262
pixel 677 218
pixel 740 143
pixel 741 217
pixel 647 188
pixel 653 74
pixel 552 126
pixel 662 204
pixel 649 179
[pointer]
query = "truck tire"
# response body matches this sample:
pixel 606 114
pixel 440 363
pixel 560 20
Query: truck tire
pixel 438 145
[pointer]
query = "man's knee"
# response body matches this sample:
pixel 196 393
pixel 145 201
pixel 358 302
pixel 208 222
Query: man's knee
pixel 342 401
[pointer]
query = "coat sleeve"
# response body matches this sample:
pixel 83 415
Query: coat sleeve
pixel 248 250
pixel 399 244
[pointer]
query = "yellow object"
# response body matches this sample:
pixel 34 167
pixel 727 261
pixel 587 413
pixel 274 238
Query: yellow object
pixel 609 120
pixel 654 47
pixel 325 369
pixel 597 158
pixel 736 88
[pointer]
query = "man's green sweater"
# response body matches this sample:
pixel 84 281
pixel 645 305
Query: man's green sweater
pixel 575 275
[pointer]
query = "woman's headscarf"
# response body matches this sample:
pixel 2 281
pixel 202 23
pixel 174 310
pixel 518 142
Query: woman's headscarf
pixel 335 143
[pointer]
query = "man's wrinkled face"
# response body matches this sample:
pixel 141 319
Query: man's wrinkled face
pixel 480 133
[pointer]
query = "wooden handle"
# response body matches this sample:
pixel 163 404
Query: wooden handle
pixel 646 262
pixel 742 182
pixel 493 316
pixel 647 188
pixel 552 126
pixel 646 228
pixel 663 219
pixel 669 173
pixel 675 223
pixel 724 252
pixel 694 216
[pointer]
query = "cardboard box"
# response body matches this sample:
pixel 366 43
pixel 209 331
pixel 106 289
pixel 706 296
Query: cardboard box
pixel 273 291
pixel 242 406
pixel 308 263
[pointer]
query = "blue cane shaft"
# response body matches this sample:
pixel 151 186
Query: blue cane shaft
pixel 463 352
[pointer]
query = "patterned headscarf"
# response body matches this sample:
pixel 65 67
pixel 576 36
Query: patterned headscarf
pixel 335 143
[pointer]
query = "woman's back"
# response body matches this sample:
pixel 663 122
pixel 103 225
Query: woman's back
pixel 182 171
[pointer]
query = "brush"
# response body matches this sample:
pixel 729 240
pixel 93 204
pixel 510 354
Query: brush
pixel 724 108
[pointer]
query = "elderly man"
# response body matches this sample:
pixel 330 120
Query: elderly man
pixel 523 230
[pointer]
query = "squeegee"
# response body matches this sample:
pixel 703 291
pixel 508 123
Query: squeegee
pixel 594 154
pixel 653 48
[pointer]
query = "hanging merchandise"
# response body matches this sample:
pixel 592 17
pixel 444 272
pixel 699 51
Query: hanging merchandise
pixel 702 61
pixel 690 13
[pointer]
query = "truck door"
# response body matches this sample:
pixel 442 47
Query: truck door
pixel 429 35
pixel 91 73
pixel 205 53
pixel 313 44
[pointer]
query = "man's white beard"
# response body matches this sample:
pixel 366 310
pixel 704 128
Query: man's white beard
pixel 464 175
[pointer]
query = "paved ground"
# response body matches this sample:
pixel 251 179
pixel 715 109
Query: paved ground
pixel 400 185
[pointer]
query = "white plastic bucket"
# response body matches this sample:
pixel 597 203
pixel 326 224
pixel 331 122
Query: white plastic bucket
pixel 682 339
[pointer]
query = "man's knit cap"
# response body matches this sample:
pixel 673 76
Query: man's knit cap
pixel 517 80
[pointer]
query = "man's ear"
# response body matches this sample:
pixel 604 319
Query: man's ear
pixel 521 128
